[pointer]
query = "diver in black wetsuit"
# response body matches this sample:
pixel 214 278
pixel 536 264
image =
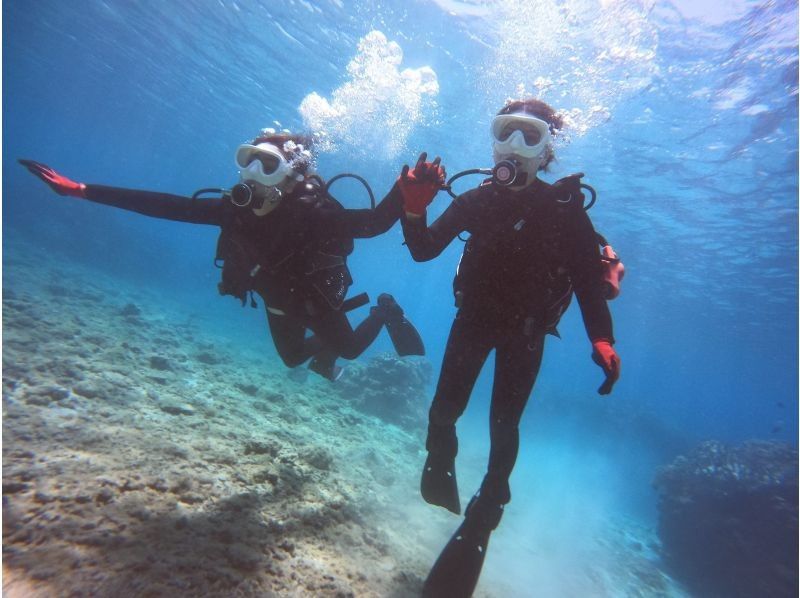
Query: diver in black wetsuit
pixel 286 239
pixel 531 245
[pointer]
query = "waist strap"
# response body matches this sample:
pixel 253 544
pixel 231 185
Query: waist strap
pixel 323 261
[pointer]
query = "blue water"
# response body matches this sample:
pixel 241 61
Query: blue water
pixel 684 118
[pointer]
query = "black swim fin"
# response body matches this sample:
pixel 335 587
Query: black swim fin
pixel 455 573
pixel 405 338
pixel 324 364
pixel 438 485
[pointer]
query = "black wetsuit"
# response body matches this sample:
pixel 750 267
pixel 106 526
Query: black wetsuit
pixel 287 246
pixel 526 253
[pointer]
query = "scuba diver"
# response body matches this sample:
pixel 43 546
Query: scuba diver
pixel 531 246
pixel 284 237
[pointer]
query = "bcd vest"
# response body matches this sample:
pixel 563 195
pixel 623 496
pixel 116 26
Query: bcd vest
pixel 514 262
pixel 317 270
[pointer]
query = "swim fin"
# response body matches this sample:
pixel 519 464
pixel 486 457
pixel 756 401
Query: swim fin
pixel 455 573
pixel 324 364
pixel 438 485
pixel 405 338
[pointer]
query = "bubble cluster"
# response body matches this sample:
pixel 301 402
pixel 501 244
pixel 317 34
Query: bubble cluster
pixel 375 110
pixel 582 56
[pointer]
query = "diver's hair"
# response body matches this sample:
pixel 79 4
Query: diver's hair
pixel 539 109
pixel 279 140
pixel 536 108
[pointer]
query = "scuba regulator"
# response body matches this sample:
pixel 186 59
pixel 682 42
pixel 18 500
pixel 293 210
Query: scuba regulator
pixel 505 173
pixel 242 194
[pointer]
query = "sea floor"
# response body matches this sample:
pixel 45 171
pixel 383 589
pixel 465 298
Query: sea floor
pixel 144 455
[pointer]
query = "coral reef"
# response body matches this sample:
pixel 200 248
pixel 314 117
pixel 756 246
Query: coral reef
pixel 141 456
pixel 394 389
pixel 145 455
pixel 729 519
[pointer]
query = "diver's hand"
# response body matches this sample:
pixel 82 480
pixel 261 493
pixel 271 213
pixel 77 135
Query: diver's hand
pixel 604 355
pixel 58 183
pixel 419 186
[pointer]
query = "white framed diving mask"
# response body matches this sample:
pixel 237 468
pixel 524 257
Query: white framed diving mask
pixel 520 134
pixel 265 164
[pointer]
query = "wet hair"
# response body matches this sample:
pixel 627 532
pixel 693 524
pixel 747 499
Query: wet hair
pixel 536 108
pixel 539 109
pixel 279 140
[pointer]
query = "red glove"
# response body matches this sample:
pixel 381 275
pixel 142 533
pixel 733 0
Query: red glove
pixel 58 183
pixel 605 356
pixel 419 186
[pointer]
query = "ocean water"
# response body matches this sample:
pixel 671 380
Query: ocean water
pixel 682 115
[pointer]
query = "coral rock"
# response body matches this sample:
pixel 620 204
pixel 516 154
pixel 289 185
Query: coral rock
pixel 728 519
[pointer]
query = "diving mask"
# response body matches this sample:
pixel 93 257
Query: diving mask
pixel 520 134
pixel 265 164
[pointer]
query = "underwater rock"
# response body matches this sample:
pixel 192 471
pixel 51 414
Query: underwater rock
pixel 318 458
pixel 44 395
pixel 267 404
pixel 58 290
pixel 114 488
pixel 392 388
pixel 104 496
pixel 208 358
pixel 256 447
pixel 88 390
pixel 14 487
pixel 157 362
pixel 177 409
pixel 243 557
pixel 728 519
pixel 130 310
pixel 248 389
pixel 298 375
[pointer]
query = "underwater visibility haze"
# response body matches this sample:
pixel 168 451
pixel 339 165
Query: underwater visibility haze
pixel 153 441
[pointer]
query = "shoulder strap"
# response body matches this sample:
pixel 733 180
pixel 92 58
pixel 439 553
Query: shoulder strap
pixel 568 189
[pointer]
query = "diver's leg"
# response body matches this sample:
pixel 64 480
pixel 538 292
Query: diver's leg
pixel 458 567
pixel 467 348
pixel 289 336
pixel 335 331
pixel 517 365
pixel 337 335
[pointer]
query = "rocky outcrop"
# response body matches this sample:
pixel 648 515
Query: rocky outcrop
pixel 728 519
pixel 395 389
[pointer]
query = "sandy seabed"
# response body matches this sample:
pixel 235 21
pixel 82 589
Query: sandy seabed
pixel 141 458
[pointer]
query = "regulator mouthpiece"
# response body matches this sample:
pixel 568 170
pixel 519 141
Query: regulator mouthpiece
pixel 241 195
pixel 505 174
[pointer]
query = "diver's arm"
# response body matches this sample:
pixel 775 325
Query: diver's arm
pixel 588 281
pixel 426 242
pixel 586 271
pixel 158 205
pixel 415 187
pixel 362 223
